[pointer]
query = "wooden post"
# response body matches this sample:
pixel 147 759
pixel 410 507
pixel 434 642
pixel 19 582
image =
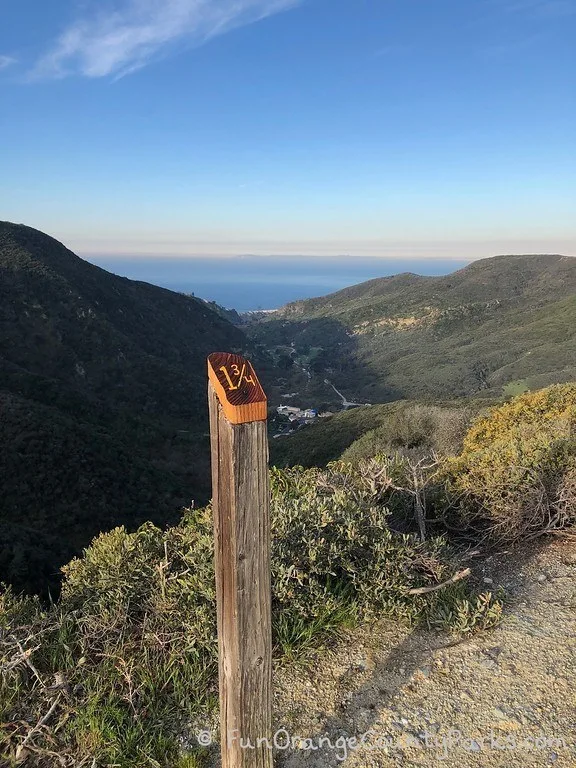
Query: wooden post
pixel 241 506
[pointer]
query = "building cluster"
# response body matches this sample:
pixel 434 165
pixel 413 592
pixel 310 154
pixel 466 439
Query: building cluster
pixel 298 417
pixel 295 414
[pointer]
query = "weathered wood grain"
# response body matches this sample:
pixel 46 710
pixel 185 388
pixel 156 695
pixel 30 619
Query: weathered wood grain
pixel 240 491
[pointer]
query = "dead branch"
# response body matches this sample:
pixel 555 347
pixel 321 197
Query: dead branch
pixel 43 720
pixel 457 577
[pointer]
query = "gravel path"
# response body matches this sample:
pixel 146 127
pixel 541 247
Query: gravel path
pixel 500 699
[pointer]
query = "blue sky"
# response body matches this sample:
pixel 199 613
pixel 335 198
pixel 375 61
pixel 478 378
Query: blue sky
pixel 400 128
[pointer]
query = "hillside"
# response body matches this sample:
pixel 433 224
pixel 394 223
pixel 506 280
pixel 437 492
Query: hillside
pixel 327 439
pixel 406 598
pixel 402 425
pixel 102 398
pixel 507 319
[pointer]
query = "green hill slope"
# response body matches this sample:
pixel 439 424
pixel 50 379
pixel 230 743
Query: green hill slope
pixel 496 321
pixel 102 402
pixel 328 438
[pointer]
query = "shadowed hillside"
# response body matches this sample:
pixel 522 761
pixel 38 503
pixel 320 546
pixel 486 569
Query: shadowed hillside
pixel 499 321
pixel 102 402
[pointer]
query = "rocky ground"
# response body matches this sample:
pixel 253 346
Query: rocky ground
pixel 499 699
pixel 502 698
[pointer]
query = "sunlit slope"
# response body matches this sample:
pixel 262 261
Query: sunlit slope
pixel 494 322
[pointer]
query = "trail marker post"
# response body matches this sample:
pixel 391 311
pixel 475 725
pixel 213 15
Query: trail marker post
pixel 241 506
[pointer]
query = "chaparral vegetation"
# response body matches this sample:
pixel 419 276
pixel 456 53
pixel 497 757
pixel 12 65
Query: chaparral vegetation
pixel 107 670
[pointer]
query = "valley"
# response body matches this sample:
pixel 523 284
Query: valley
pixel 503 322
pixel 406 423
pixel 287 384
pixel 102 380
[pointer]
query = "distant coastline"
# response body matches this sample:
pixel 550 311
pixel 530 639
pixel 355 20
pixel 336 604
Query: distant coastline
pixel 255 283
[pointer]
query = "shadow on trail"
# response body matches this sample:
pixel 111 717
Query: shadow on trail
pixel 406 666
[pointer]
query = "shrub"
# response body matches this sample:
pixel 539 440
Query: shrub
pixel 131 636
pixel 514 388
pixel 127 657
pixel 414 429
pixel 333 547
pixel 515 475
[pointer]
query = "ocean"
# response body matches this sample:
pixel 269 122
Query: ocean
pixel 248 283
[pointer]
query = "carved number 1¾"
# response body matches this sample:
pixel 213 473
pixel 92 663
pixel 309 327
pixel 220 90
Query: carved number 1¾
pixel 237 372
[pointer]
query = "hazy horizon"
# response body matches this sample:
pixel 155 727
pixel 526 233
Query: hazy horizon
pixel 409 250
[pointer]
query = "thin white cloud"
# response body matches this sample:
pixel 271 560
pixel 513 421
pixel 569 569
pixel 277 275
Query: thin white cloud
pixel 124 37
pixel 6 61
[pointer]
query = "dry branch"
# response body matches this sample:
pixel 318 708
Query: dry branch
pixel 457 577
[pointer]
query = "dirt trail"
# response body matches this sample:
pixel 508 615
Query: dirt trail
pixel 510 692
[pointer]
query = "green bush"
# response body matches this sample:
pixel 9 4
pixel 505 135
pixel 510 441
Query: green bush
pixel 131 644
pixel 515 475
pixel 332 547
pixel 131 636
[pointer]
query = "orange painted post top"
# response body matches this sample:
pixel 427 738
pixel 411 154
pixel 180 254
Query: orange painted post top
pixel 237 387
